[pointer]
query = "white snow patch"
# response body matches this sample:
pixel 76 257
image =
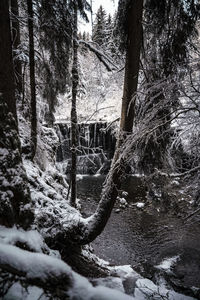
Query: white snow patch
pixel 146 289
pixel 140 204
pixel 13 235
pixel 18 292
pixel 122 201
pixel 168 263
pixel 126 271
pixel 37 265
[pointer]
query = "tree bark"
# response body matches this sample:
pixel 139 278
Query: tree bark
pixel 32 80
pixel 73 112
pixel 7 87
pixel 134 40
pixel 14 193
pixel 94 225
pixel 16 43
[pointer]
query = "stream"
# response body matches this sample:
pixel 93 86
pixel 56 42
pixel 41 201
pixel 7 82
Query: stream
pixel 144 238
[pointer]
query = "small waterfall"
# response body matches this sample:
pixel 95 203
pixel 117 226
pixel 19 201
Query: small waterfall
pixel 96 146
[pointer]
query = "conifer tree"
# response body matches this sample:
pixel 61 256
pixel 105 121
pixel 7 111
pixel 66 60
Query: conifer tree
pixel 99 30
pixel 56 31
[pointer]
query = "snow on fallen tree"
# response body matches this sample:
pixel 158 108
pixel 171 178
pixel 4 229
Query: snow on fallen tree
pixel 104 58
pixel 52 275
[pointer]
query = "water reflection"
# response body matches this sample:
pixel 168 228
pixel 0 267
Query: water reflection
pixel 141 237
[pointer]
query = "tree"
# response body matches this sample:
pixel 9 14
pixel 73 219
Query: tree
pixel 16 44
pixel 14 193
pixel 133 44
pixel 165 53
pixel 55 29
pixel 99 30
pixel 74 127
pixel 32 80
pixel 88 231
pixel 129 28
pixel 108 32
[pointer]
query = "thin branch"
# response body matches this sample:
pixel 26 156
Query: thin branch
pixel 186 173
pixel 110 124
pixel 96 111
pixel 192 214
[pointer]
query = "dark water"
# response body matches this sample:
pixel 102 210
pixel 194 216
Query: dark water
pixel 144 237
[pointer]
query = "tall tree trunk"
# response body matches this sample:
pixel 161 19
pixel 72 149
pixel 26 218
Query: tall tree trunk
pixel 13 188
pixel 134 41
pixel 16 43
pixel 7 87
pixel 92 21
pixel 73 111
pixel 32 80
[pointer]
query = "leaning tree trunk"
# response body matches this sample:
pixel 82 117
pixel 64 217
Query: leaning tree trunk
pixel 14 193
pixel 32 80
pixel 90 229
pixel 134 40
pixel 16 43
pixel 73 112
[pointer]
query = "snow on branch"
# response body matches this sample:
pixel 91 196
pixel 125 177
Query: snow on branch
pixel 52 275
pixel 37 268
pixel 186 173
pixel 105 59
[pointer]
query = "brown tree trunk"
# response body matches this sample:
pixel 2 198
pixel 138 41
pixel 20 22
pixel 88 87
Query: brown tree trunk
pixel 73 112
pixel 32 80
pixel 132 65
pixel 16 43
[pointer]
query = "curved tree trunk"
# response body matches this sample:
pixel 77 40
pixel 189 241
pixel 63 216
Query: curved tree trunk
pixel 90 228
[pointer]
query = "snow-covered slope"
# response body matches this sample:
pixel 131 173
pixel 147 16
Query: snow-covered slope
pixel 100 92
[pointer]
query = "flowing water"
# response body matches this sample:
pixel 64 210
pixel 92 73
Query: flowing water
pixel 145 237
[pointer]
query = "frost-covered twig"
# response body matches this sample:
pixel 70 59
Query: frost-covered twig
pixel 186 173
pixel 192 214
pixel 96 111
pixel 110 124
